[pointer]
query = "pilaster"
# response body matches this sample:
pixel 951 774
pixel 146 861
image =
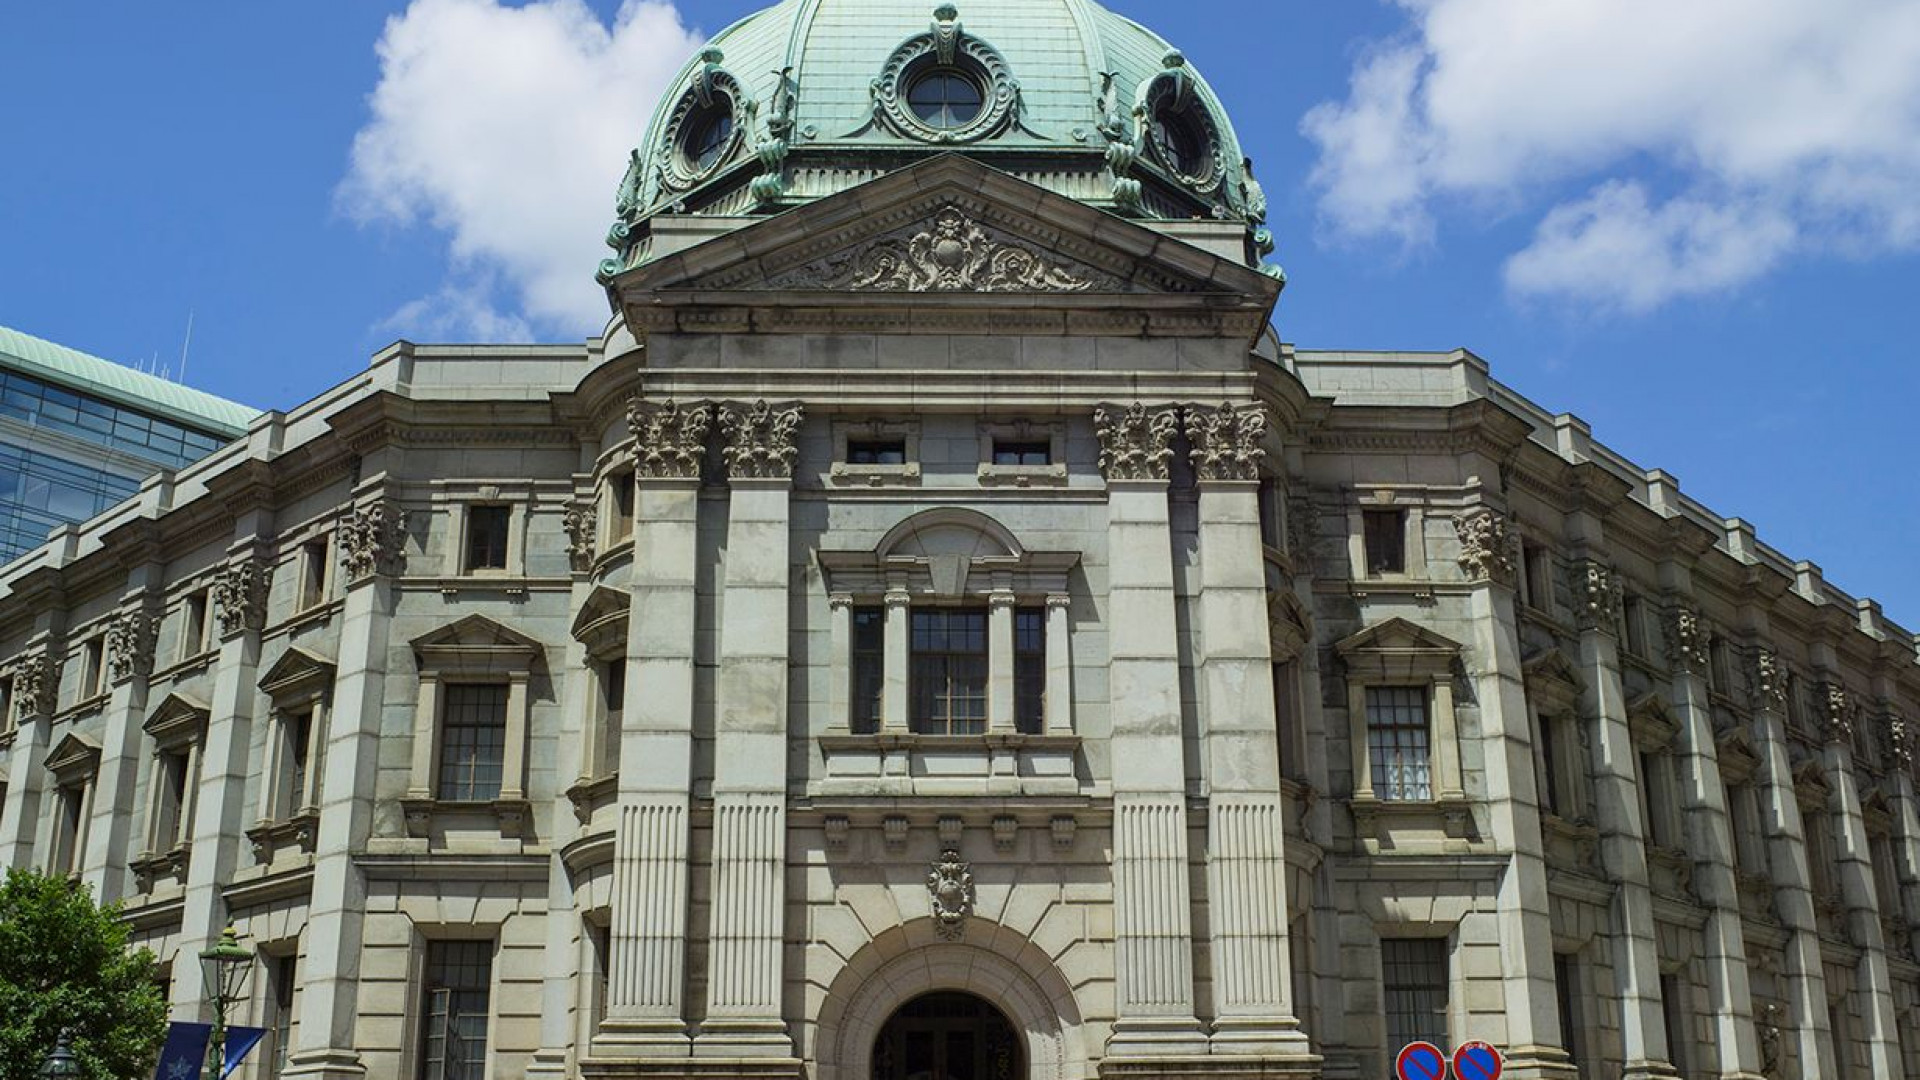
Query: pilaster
pixel 33 674
pixel 129 663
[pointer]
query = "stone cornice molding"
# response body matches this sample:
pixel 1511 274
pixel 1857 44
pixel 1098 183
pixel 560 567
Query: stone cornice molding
pixel 669 441
pixel 1596 595
pixel 240 595
pixel 1486 545
pixel 760 440
pixel 1135 440
pixel 1224 442
pixel 372 539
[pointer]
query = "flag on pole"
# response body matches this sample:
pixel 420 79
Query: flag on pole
pixel 240 1040
pixel 184 1057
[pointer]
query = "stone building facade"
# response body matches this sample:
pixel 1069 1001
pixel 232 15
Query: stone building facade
pixel 940 629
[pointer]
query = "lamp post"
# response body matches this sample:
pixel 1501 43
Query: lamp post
pixel 60 1061
pixel 226 965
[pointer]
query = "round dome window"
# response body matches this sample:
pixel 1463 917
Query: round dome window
pixel 945 98
pixel 1184 141
pixel 707 134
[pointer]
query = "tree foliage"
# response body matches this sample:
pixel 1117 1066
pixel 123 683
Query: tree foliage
pixel 64 964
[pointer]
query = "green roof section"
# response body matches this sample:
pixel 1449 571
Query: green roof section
pixel 122 385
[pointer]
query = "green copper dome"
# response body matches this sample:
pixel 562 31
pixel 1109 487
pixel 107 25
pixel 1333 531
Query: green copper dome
pixel 810 97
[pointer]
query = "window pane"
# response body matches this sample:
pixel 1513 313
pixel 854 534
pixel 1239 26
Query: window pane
pixel 877 452
pixel 1414 982
pixel 869 669
pixel 473 739
pixel 1007 452
pixel 948 671
pixel 1385 541
pixel 487 538
pixel 459 977
pixel 1397 742
pixel 1029 670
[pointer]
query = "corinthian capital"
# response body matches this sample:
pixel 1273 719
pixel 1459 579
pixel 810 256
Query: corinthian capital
pixel 1225 442
pixel 1686 639
pixel 580 523
pixel 669 442
pixel 1596 595
pixel 35 679
pixel 130 645
pixel 1135 441
pixel 240 595
pixel 1836 713
pixel 1769 680
pixel 760 440
pixel 371 539
pixel 1486 545
pixel 1900 741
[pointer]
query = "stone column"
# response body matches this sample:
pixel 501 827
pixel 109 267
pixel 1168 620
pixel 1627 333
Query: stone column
pixel 1153 911
pixel 646 985
pixel 129 662
pixel 1246 862
pixel 1000 605
pixel 1792 881
pixel 1906 815
pixel 240 593
pixel 1623 844
pixel 34 681
pixel 747 902
pixel 893 685
pixel 1059 665
pixel 1534 1041
pixel 1872 981
pixel 370 544
pixel 1710 840
pixel 840 663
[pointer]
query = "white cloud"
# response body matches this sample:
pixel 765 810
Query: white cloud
pixel 1781 125
pixel 508 128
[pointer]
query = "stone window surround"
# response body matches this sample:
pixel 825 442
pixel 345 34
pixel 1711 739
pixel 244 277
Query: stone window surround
pixel 413 1025
pixel 1421 658
pixel 619 469
pixel 178 729
pixel 316 546
pixel 1553 688
pixel 453 499
pixel 300 683
pixel 1654 731
pixel 90 668
pixel 445 658
pixel 75 764
pixel 905 474
pixel 1052 474
pixel 1417 504
pixel 187 645
pixel 601 628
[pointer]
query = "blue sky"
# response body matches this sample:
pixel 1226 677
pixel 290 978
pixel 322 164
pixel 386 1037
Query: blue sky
pixel 1696 226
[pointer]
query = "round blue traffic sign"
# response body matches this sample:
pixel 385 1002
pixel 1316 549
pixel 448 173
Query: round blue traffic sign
pixel 1477 1061
pixel 1420 1061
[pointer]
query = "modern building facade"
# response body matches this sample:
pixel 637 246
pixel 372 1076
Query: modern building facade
pixel 940 629
pixel 78 434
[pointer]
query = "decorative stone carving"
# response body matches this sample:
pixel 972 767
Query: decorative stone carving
pixel 950 887
pixel 1686 640
pixel 1134 441
pixel 772 150
pixel 371 540
pixel 1006 829
pixel 580 522
pixel 1836 713
pixel 1063 827
pixel 946 44
pixel 35 680
pixel 1118 126
pixel 669 442
pixel 240 595
pixel 1769 680
pixel 893 831
pixel 129 645
pixel 1596 595
pixel 837 827
pixel 1486 545
pixel 760 440
pixel 1900 742
pixel 953 254
pixel 1225 442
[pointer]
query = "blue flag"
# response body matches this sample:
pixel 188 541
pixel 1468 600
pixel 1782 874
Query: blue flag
pixel 184 1057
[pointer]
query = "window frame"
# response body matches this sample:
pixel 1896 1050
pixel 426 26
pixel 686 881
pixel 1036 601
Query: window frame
pixel 919 657
pixel 847 434
pixel 1395 955
pixel 454 503
pixel 991 473
pixel 472 650
pixel 424 995
pixel 1399 653
pixel 484 552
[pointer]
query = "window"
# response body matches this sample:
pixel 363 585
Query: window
pixel 1030 670
pixel 69 829
pixel 1414 989
pixel 170 800
pixel 1720 666
pixel 280 986
pixel 93 668
pixel 1536 579
pixel 600 940
pixel 877 452
pixel 459 977
pixel 709 131
pixel 1566 987
pixel 1272 528
pixel 1676 1016
pixel 193 625
pixel 1633 615
pixel 613 711
pixel 1022 452
pixel 1749 844
pixel 473 739
pixel 1838 1022
pixel 486 538
pixel 1398 742
pixel 948 671
pixel 944 98
pixel 1656 801
pixel 1290 733
pixel 1182 138
pixel 869 668
pixel 1886 877
pixel 296 734
pixel 1819 861
pixel 313 572
pixel 621 484
pixel 1386 541
pixel 1550 796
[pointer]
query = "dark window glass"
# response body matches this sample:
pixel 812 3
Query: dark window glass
pixel 298 734
pixel 1269 512
pixel 1386 541
pixel 1654 800
pixel 1566 987
pixel 1632 614
pixel 708 133
pixel 486 538
pixel 1675 1014
pixel 459 978
pixel 1007 452
pixel 1184 137
pixel 193 625
pixel 280 970
pixel 877 452
pixel 1535 582
pixel 1549 768
pixel 944 99
pixel 613 706
pixel 70 825
pixel 622 506
pixel 1030 670
pixel 473 741
pixel 1397 742
pixel 949 671
pixel 1414 982
pixel 869 668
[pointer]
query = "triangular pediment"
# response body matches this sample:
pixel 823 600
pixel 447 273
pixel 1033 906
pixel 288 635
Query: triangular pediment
pixel 476 643
pixel 1398 650
pixel 1397 635
pixel 73 757
pixel 297 673
pixel 946 233
pixel 179 718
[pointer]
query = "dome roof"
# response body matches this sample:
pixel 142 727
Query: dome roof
pixel 810 97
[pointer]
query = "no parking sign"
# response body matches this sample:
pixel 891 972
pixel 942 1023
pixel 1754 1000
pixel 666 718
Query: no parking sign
pixel 1420 1061
pixel 1476 1061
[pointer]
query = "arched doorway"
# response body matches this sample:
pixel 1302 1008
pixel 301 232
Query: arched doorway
pixel 948 1035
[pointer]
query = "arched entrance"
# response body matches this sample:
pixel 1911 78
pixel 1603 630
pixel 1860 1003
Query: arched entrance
pixel 948 1035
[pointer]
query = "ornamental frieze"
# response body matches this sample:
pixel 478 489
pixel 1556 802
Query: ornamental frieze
pixel 240 596
pixel 371 540
pixel 130 645
pixel 953 253
pixel 950 891
pixel 1225 442
pixel 1486 545
pixel 1686 640
pixel 1596 595
pixel 1135 441
pixel 760 440
pixel 669 442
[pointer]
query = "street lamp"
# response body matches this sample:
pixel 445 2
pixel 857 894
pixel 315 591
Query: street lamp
pixel 60 1062
pixel 226 965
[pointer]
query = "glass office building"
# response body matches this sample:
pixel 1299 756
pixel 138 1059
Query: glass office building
pixel 78 434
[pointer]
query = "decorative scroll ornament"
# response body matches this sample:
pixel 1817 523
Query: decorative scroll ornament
pixel 1772 1017
pixel 240 594
pixel 1225 442
pixel 1117 126
pixel 950 887
pixel 580 522
pixel 1770 680
pixel 1837 713
pixel 772 150
pixel 945 44
pixel 760 440
pixel 129 645
pixel 953 254
pixel 1686 640
pixel 669 442
pixel 1900 741
pixel 1486 545
pixel 35 679
pixel 1134 441
pixel 1172 94
pixel 1596 595
pixel 371 540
